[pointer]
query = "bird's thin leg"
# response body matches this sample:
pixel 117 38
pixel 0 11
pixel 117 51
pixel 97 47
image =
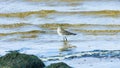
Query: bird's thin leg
pixel 65 39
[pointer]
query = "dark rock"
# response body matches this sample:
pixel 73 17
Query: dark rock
pixel 16 60
pixel 58 65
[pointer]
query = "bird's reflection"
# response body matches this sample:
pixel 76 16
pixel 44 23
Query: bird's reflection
pixel 67 46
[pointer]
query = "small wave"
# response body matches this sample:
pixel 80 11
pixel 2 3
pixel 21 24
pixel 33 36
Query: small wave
pixel 25 14
pixel 22 33
pixel 94 53
pixel 43 13
pixel 91 29
pixel 15 25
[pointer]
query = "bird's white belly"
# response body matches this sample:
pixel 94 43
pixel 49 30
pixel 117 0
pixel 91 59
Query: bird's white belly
pixel 59 32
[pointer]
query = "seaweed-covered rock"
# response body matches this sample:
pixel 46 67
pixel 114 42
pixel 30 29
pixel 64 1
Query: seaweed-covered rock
pixel 58 65
pixel 17 60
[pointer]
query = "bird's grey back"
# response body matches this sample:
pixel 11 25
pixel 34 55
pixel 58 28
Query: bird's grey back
pixel 65 32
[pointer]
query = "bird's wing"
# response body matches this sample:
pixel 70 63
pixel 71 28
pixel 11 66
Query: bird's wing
pixel 65 32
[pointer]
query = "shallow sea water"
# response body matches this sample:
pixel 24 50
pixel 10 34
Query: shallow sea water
pixel 30 27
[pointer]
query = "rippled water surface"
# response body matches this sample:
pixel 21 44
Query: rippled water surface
pixel 30 26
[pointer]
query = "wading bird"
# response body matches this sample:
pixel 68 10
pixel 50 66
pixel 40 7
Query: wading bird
pixel 62 32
